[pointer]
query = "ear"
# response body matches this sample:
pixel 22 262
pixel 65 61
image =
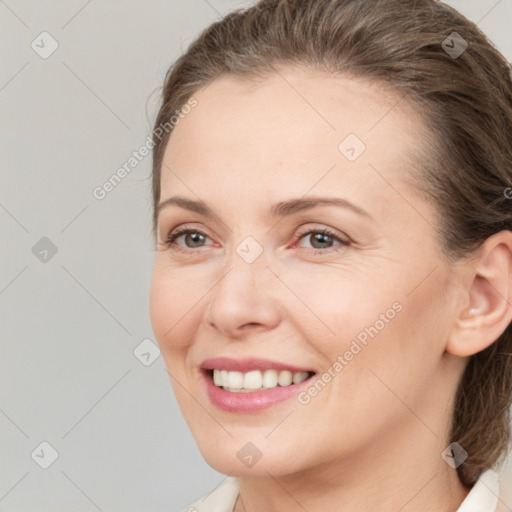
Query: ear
pixel 487 305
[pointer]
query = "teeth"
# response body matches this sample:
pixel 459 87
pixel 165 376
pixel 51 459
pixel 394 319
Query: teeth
pixel 285 378
pixel 270 378
pixel 252 380
pixel 235 380
pixel 299 377
pixel 223 378
pixel 256 380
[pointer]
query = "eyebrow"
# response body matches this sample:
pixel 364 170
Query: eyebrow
pixel 280 209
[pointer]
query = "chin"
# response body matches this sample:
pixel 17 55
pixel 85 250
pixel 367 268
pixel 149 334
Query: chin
pixel 244 458
pixel 231 466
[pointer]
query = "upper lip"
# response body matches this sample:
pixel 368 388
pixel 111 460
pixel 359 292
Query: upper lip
pixel 248 364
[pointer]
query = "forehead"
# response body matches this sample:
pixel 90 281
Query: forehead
pixel 287 130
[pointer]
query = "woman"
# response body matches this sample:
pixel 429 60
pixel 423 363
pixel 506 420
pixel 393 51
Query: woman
pixel 332 286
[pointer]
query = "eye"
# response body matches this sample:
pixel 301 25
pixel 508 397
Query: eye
pixel 197 238
pixel 321 238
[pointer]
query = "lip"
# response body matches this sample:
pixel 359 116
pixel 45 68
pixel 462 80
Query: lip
pixel 248 364
pixel 253 401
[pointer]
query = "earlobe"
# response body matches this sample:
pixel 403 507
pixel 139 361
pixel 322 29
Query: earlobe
pixel 488 310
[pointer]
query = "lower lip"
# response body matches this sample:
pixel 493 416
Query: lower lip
pixel 250 401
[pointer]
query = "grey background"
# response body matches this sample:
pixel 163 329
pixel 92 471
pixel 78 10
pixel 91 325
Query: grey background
pixel 70 324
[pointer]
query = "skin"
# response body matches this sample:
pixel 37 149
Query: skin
pixel 372 438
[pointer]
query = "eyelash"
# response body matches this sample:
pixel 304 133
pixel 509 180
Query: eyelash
pixel 325 231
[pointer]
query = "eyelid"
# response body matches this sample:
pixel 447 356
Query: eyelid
pixel 183 230
pixel 340 242
pixel 165 233
pixel 333 233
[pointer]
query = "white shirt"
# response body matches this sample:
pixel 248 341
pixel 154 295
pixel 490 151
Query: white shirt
pixel 483 497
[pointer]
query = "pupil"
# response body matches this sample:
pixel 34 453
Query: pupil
pixel 318 237
pixel 195 237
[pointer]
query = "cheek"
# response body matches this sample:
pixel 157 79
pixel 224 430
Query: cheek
pixel 176 303
pixel 333 304
pixel 382 329
pixel 402 357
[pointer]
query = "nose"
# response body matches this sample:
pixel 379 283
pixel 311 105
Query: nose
pixel 244 300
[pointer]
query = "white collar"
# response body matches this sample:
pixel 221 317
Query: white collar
pixel 483 497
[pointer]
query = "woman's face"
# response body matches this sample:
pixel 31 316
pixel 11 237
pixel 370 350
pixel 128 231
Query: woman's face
pixel 367 305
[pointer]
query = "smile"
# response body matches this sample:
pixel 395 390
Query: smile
pixel 250 385
pixel 256 380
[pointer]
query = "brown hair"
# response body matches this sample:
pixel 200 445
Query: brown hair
pixel 466 101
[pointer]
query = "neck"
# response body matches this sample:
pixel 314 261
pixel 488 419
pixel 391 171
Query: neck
pixel 404 473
